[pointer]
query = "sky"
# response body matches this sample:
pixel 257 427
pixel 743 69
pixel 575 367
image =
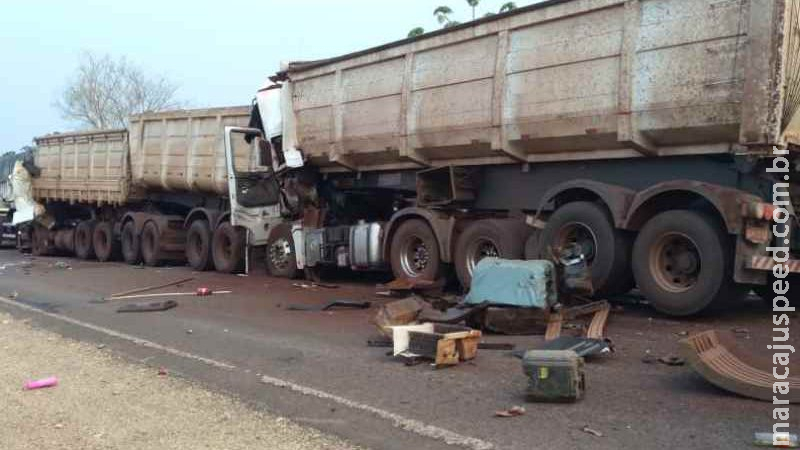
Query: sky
pixel 218 52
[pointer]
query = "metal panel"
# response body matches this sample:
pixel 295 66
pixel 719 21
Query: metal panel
pixel 560 81
pixel 184 150
pixel 89 167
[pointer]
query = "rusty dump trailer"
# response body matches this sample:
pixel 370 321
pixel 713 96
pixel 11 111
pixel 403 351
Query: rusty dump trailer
pixel 136 193
pixel 640 130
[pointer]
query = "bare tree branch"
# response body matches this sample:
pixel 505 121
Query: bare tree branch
pixel 105 92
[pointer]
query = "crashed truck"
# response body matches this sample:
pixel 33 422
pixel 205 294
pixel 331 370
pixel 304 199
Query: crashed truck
pixel 639 130
pixel 8 232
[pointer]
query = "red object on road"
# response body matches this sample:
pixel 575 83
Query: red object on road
pixel 203 291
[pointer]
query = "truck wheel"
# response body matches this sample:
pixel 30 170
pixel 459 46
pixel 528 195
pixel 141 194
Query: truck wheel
pixel 488 238
pixel 227 248
pixel 683 264
pixel 281 258
pixel 607 250
pixel 39 245
pixel 151 244
pixel 105 246
pixel 198 246
pixel 84 236
pixel 131 245
pixel 414 252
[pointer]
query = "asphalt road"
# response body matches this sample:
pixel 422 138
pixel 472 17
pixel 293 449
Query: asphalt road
pixel 315 367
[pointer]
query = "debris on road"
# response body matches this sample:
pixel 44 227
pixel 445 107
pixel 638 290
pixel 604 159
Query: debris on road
pixel 148 307
pixel 597 326
pixel 554 375
pixel 315 285
pixel 196 293
pixel 41 383
pixel 330 305
pixel 592 431
pixel 724 365
pixel 400 312
pixel 387 343
pixel 456 314
pixel 672 360
pixel 583 347
pixel 780 440
pixel 151 288
pixel 513 321
pixel 162 371
pixel 514 411
pixel 61 265
pixel 529 284
pixel 446 345
pixel 407 286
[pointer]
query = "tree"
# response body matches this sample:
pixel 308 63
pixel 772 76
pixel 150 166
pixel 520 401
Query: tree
pixel 104 92
pixel 473 4
pixel 442 14
pixel 418 31
pixel 509 6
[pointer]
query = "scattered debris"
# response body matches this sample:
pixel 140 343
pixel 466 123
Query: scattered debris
pixel 61 265
pixel 446 345
pixel 162 371
pixel 597 325
pixel 400 312
pixel 41 383
pixel 512 321
pixel 334 304
pixel 189 331
pixel 148 307
pixel 648 358
pixel 13 295
pixel 101 346
pixel 528 284
pixel 742 332
pixel 315 285
pixel 151 288
pixel 574 274
pixel 171 294
pixel 592 431
pixel 724 365
pixel 58 426
pixel 554 375
pixel 682 333
pixel 241 275
pixel 581 346
pixel 672 360
pixel 514 411
pixel 387 343
pixel 782 440
pixel 456 314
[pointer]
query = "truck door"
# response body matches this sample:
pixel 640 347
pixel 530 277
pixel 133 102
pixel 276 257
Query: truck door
pixel 252 185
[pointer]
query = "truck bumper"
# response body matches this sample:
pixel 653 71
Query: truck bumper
pixel 766 263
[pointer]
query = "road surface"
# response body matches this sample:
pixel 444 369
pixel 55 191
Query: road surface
pixel 315 368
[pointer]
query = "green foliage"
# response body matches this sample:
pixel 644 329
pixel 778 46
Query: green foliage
pixel 508 6
pixel 418 31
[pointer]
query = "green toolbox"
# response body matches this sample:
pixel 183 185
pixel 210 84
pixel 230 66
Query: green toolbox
pixel 554 375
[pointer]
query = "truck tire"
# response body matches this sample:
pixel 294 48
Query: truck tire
pixel 131 244
pixel 198 246
pixel 84 240
pixel 414 252
pixel 227 248
pixel 606 248
pixel 500 238
pixel 151 244
pixel 683 263
pixel 105 246
pixel 38 239
pixel 281 257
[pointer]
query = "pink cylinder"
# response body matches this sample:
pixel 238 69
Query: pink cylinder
pixel 43 383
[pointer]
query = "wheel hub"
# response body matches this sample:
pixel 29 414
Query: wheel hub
pixel 279 253
pixel 581 235
pixel 482 248
pixel 675 261
pixel 415 257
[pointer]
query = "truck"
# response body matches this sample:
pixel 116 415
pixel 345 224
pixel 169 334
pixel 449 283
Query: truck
pixel 152 193
pixel 653 135
pixel 8 232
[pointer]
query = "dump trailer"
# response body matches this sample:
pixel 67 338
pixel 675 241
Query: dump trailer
pixel 652 134
pixel 152 193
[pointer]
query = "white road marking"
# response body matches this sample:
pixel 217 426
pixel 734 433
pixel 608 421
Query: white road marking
pixel 398 421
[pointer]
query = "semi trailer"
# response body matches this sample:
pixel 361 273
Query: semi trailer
pixel 653 134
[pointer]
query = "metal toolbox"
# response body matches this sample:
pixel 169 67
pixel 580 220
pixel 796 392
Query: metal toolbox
pixel 554 375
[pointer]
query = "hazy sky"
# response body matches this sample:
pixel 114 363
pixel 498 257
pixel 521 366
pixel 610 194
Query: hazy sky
pixel 218 51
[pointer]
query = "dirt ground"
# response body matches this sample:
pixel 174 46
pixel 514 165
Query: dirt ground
pixel 102 402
